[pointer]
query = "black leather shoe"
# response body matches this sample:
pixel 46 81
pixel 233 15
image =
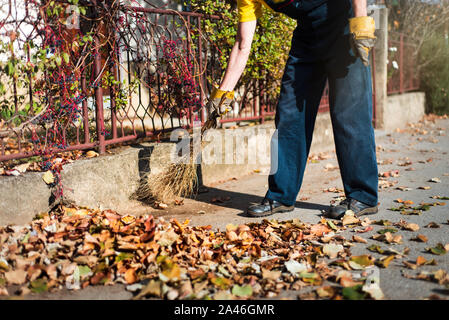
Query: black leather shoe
pixel 359 209
pixel 267 207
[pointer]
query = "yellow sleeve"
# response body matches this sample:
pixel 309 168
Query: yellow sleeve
pixel 249 10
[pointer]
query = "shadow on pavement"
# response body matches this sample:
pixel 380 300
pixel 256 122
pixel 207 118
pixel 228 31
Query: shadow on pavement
pixel 241 201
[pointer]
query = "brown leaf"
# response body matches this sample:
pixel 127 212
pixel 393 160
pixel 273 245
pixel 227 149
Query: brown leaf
pixel 397 239
pixel 271 274
pixel 367 229
pixel 52 272
pixel 420 238
pixel 130 276
pixel 410 265
pixel 411 227
pixel 345 279
pixel 420 260
pixel 432 225
pixel 349 218
pixel 325 292
pixel 16 276
pixel 153 288
pixel 319 230
pixel 359 239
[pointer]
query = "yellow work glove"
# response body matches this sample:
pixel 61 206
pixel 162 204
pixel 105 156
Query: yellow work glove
pixel 215 101
pixel 362 37
pixel 220 103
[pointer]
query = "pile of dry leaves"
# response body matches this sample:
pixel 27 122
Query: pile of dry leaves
pixel 75 247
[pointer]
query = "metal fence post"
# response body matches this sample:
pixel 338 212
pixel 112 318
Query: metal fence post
pixel 401 64
pixel 99 98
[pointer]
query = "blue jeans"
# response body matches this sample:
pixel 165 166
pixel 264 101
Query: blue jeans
pixel 315 57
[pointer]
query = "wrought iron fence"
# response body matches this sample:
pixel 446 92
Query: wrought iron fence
pixel 403 74
pixel 113 74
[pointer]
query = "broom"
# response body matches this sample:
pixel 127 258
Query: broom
pixel 180 179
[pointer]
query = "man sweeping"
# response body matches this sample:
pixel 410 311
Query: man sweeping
pixel 331 43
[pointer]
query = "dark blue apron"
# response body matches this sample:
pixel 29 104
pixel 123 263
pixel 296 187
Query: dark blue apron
pixel 287 7
pixel 322 25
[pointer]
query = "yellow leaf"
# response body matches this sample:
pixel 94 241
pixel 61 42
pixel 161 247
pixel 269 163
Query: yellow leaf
pixel 128 219
pixel 91 154
pixel 48 177
pixel 385 262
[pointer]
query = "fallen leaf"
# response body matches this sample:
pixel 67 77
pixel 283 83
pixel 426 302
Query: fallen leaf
pixel 346 280
pixel 359 239
pixel 221 282
pixel 397 239
pixel 271 274
pixel 438 249
pixel 242 291
pixel 161 205
pixel 410 265
pixel 22 168
pixel 38 286
pixel 332 250
pixel 432 225
pixel 91 154
pixel 390 230
pixel 325 292
pixel 168 238
pixel 354 293
pixel 435 180
pixel 130 276
pixel 153 288
pixel 128 219
pixel 411 227
pixel 349 218
pixel 420 260
pixel 48 177
pixel 319 230
pixel 420 238
pixel 331 225
pixel 440 197
pixel 403 188
pixel 16 276
pixel 295 268
pixel 367 229
pixel 171 271
pixel 385 262
pixel 361 262
pixel 376 248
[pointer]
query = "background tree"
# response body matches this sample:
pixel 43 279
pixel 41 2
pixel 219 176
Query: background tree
pixel 426 24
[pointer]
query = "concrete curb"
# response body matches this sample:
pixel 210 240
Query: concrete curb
pixel 109 181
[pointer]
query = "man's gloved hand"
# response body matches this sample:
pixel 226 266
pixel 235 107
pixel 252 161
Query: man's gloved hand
pixel 362 37
pixel 220 103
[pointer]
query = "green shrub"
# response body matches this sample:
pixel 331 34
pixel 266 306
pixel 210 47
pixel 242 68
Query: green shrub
pixel 435 74
pixel 270 48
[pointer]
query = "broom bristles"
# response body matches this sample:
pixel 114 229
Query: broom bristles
pixel 178 180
